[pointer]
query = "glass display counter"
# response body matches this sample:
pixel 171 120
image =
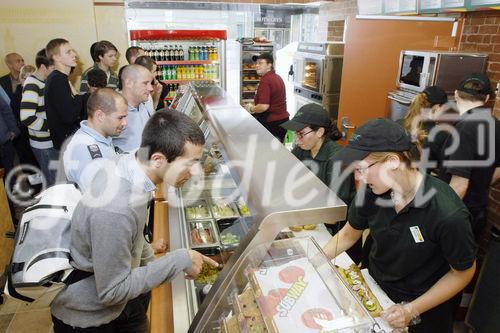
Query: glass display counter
pixel 251 188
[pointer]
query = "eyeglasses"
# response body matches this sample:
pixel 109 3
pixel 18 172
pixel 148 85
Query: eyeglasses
pixel 302 135
pixel 364 169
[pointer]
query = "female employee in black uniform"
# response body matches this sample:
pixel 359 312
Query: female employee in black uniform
pixel 423 252
pixel 315 146
pixel 315 139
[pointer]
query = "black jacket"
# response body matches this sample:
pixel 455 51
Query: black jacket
pixel 6 84
pixel 63 108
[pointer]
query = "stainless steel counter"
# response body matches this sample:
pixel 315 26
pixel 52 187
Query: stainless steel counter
pixel 277 187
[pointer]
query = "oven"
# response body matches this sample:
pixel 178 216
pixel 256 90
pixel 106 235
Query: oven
pixel 317 74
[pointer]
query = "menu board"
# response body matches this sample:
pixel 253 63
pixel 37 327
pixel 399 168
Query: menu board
pixel 484 3
pixel 400 6
pixel 370 7
pixel 437 6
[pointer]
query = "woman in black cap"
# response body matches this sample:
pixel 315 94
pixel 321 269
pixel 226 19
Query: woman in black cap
pixel 315 138
pixel 423 251
pixel 418 119
pixel 315 146
pixel 428 109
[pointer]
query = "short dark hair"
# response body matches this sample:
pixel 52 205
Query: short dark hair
pixel 53 46
pixel 92 50
pixel 42 59
pixel 120 72
pixel 145 61
pixel 131 52
pixel 102 47
pixel 104 99
pixel 167 132
pixel 97 78
pixel 268 57
pixel 471 97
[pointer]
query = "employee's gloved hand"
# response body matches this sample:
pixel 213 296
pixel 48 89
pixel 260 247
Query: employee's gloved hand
pixel 401 315
pixel 197 260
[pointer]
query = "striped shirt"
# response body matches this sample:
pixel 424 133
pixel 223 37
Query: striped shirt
pixel 33 113
pixel 84 84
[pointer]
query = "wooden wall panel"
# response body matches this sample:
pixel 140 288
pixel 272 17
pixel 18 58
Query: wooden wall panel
pixel 371 59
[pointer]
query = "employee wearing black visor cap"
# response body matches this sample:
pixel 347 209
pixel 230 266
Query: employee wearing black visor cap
pixel 423 251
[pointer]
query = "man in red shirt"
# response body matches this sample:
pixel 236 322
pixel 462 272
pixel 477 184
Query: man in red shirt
pixel 270 100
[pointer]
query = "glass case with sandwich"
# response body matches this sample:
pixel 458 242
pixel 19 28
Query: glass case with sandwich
pixel 289 286
pixel 234 212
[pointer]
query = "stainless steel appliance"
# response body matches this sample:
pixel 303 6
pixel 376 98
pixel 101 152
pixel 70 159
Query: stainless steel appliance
pixel 317 74
pixel 420 69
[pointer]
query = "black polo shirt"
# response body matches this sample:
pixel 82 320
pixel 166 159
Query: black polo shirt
pixel 476 129
pixel 321 163
pixel 414 248
pixel 323 166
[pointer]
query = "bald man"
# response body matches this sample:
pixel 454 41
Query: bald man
pixel 136 88
pixel 9 82
pixel 107 117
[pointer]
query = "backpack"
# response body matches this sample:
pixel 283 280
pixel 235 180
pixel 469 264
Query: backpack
pixel 40 265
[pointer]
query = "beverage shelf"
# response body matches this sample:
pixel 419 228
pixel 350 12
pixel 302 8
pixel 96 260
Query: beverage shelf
pixel 189 80
pixel 188 62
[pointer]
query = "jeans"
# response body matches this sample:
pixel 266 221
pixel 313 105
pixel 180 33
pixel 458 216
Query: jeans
pixel 133 319
pixel 44 156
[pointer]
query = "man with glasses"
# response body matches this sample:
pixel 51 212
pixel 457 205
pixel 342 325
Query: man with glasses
pixel 270 100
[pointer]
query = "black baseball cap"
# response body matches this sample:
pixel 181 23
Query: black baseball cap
pixel 309 114
pixel 377 135
pixel 435 95
pixel 475 84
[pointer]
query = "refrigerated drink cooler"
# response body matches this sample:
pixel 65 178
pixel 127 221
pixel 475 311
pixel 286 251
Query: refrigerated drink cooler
pixel 185 56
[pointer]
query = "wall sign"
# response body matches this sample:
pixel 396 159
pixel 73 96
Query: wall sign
pixel 400 6
pixel 370 7
pixel 485 3
pixel 271 18
pixel 439 6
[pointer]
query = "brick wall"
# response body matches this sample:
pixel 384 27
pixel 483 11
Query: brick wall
pixel 336 10
pixel 482 34
pixel 336 31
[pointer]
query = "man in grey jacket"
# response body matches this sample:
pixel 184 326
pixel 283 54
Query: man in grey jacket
pixel 107 232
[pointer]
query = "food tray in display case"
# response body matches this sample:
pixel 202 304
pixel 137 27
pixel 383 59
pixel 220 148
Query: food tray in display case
pixel 222 208
pixel 203 234
pixel 196 210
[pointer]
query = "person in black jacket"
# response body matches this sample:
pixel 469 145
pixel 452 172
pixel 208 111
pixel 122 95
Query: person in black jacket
pixel 10 81
pixel 61 100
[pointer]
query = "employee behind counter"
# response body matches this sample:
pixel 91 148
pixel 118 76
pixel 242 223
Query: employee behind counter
pixel 270 100
pixel 423 251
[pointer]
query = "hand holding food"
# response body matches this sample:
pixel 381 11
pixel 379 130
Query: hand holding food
pixel 401 315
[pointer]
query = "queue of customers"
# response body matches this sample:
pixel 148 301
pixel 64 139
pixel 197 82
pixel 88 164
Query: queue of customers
pixel 423 222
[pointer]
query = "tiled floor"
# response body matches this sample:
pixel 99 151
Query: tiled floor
pixel 16 317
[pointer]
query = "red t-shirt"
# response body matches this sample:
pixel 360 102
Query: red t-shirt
pixel 271 91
